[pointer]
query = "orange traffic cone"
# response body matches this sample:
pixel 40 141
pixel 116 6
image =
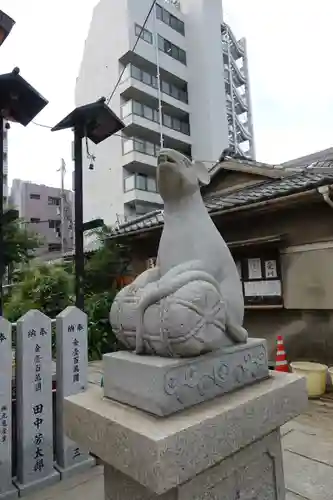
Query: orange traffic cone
pixel 281 363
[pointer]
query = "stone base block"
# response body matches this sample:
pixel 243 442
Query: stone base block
pixel 84 465
pixel 163 386
pixel 187 449
pixel 254 473
pixel 26 489
pixel 10 494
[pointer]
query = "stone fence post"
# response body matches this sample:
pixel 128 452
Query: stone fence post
pixel 72 378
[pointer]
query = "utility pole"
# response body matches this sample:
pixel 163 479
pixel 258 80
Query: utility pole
pixel 62 170
pixel 158 76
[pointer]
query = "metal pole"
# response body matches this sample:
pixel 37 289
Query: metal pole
pixel 2 264
pixel 160 108
pixel 62 206
pixel 78 208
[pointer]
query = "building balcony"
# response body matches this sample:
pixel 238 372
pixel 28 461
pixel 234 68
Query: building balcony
pixel 143 121
pixel 143 197
pixel 140 188
pixel 139 162
pixel 142 86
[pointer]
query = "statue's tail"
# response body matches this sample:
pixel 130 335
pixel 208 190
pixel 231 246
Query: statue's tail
pixel 162 290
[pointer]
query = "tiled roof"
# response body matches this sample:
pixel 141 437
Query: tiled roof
pixel 267 190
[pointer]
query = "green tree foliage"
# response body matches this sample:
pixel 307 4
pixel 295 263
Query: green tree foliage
pixel 106 265
pixel 19 244
pixel 49 288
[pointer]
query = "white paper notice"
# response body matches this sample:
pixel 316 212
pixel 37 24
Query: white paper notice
pixel 254 269
pixel 270 269
pixel 273 288
pixel 262 288
pixel 252 288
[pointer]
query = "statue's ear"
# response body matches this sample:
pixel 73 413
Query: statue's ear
pixel 202 173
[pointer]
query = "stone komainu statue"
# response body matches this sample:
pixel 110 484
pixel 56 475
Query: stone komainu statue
pixel 191 303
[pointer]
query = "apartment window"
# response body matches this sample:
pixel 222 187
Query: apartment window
pixel 176 124
pixel 148 113
pixel 172 50
pixel 140 145
pixel 129 183
pixel 126 109
pixel 141 182
pixel 127 146
pixel 167 121
pixel 146 78
pixel 149 148
pixel 154 81
pixel 136 72
pixel 175 92
pixel 169 19
pixel 34 196
pixel 185 128
pixel 54 247
pixel 151 184
pixel 156 116
pixel 144 34
pixel 166 87
pixel 34 220
pixel 54 224
pixel 153 115
pixel 52 200
pixel 137 108
pixel 159 12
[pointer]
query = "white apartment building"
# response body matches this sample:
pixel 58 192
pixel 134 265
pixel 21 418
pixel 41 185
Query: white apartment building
pixel 186 86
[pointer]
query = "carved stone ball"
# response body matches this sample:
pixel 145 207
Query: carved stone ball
pixel 189 322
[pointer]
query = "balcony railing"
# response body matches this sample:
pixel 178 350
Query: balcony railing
pixel 133 144
pixel 139 109
pixel 140 182
pixel 151 80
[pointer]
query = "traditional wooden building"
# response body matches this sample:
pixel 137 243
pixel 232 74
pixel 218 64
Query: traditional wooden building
pixel 278 224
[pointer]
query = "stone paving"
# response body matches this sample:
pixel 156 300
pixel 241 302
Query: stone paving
pixel 308 458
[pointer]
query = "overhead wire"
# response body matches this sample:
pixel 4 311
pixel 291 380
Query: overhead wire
pixel 138 37
pixel 133 50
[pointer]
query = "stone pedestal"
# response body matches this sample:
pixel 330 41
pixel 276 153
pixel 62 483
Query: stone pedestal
pixel 227 448
pixel 163 386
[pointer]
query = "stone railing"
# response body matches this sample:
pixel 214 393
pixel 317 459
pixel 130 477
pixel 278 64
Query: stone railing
pixel 34 451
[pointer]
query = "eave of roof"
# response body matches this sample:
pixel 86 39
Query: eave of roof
pixel 266 191
pixel 251 167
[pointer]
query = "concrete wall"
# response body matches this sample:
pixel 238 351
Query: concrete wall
pixel 206 89
pixel 308 334
pixel 23 197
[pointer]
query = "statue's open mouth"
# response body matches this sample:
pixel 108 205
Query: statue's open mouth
pixel 165 159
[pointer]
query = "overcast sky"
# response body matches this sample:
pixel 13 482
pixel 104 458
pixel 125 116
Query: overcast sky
pixel 289 49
